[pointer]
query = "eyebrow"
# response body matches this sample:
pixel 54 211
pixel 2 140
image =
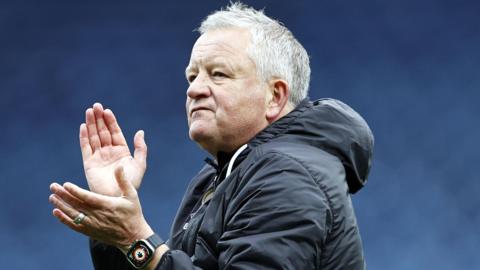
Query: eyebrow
pixel 217 61
pixel 188 69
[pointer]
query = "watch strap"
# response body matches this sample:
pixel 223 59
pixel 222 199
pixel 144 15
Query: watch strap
pixel 155 240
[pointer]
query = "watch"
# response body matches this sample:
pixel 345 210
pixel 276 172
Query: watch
pixel 141 251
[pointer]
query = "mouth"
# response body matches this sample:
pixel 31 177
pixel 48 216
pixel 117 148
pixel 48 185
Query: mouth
pixel 198 109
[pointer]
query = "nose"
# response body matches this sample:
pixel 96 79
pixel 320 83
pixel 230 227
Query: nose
pixel 199 88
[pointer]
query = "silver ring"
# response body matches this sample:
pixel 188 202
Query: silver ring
pixel 78 219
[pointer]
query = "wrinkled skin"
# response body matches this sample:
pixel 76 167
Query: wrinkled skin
pixel 226 101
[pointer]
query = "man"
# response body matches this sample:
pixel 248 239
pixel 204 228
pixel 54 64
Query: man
pixel 277 194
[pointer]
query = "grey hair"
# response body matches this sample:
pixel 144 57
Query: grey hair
pixel 274 50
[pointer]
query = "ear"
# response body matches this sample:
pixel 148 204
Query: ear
pixel 277 99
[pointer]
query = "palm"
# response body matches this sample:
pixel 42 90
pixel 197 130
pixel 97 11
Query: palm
pixel 99 169
pixel 104 148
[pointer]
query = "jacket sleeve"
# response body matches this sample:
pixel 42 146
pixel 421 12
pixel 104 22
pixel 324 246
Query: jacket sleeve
pixel 106 257
pixel 277 219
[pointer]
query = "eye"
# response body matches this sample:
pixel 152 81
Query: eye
pixel 191 78
pixel 219 74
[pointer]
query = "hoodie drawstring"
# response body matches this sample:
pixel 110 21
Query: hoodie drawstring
pixel 237 153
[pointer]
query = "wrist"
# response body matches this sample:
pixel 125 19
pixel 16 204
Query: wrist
pixel 143 233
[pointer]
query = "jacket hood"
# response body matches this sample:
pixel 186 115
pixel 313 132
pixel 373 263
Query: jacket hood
pixel 332 126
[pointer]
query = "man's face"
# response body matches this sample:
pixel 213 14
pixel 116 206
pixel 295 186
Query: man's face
pixel 226 101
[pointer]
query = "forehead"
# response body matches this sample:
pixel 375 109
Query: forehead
pixel 221 45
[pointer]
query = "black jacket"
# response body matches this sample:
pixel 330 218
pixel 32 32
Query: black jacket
pixel 285 205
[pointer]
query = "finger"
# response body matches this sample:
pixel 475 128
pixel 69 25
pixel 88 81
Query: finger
pixel 67 197
pixel 65 219
pixel 85 147
pixel 92 129
pixel 91 199
pixel 127 188
pixel 63 206
pixel 140 153
pixel 114 128
pixel 103 132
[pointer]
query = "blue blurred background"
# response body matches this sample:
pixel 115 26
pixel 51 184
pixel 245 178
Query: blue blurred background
pixel 410 67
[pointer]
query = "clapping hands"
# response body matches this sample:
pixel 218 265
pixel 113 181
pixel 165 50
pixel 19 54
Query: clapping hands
pixel 112 208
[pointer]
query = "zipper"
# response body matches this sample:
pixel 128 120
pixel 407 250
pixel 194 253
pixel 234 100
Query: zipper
pixel 205 198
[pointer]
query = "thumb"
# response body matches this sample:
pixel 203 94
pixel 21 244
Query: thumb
pixel 125 186
pixel 140 153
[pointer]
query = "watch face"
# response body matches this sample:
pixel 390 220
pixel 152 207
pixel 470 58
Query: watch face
pixel 139 254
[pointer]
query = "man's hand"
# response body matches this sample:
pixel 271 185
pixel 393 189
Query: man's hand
pixel 117 221
pixel 104 149
pixel 113 214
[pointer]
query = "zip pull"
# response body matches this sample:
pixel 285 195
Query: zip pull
pixel 215 182
pixel 208 195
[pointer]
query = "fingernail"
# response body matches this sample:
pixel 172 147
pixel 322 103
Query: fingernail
pixel 53 186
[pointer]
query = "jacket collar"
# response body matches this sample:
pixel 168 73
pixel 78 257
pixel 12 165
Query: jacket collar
pixel 280 126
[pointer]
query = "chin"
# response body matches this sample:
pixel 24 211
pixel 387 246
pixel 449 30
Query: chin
pixel 199 133
pixel 204 133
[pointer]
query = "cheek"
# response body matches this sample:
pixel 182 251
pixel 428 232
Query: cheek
pixel 254 102
pixel 187 104
pixel 243 108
